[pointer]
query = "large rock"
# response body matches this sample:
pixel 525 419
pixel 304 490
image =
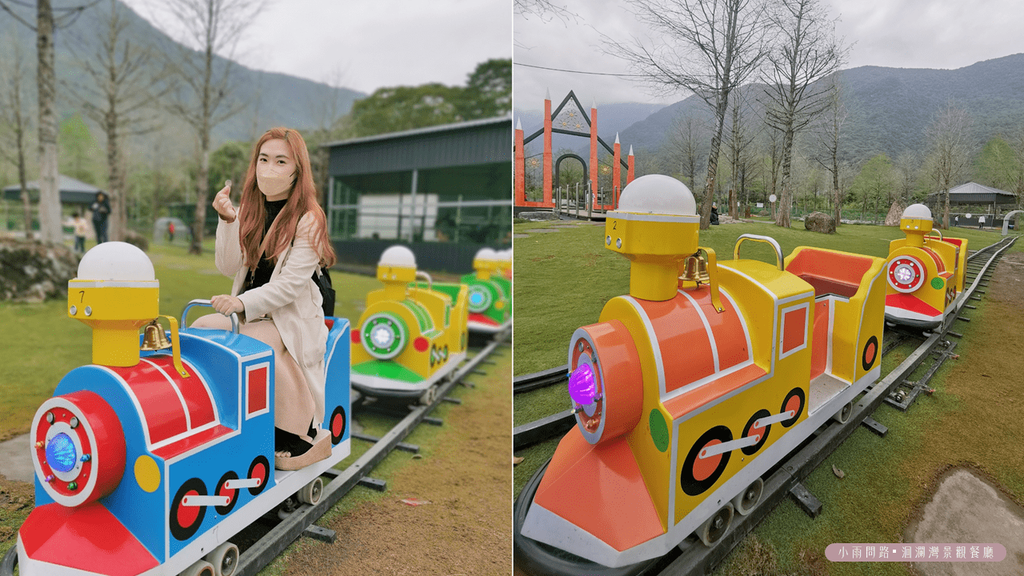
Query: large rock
pixel 820 222
pixel 33 271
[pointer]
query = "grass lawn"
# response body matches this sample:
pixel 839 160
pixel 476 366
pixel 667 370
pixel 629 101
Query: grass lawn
pixel 40 344
pixel 563 280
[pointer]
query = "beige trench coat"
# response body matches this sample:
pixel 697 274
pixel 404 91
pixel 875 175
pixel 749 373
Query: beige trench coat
pixel 291 297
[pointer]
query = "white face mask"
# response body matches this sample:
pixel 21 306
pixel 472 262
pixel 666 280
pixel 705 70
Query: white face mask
pixel 273 184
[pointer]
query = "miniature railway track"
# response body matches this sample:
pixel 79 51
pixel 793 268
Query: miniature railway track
pixel 785 478
pixel 337 483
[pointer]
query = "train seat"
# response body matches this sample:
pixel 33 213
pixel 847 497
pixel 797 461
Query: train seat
pixel 829 272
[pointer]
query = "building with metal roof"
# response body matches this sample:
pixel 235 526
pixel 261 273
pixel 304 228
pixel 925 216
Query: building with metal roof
pixel 71 191
pixel 446 191
pixel 974 194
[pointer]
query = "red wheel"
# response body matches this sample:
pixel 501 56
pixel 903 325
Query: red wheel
pixel 337 424
pixel 700 474
pixel 220 490
pixel 185 520
pixel 763 431
pixel 794 401
pixel 260 468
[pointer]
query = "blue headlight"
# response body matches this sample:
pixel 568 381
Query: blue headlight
pixel 60 453
pixel 476 298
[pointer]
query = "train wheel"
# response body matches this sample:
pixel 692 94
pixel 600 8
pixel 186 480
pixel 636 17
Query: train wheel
pixel 428 396
pixel 185 520
pixel 794 401
pixel 200 568
pixel 220 490
pixel 224 559
pixel 260 468
pixel 311 493
pixel 337 424
pixel 745 501
pixel 699 474
pixel 844 413
pixel 712 530
pixel 537 558
pixel 763 431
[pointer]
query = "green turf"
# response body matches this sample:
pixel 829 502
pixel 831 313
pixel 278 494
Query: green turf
pixel 41 344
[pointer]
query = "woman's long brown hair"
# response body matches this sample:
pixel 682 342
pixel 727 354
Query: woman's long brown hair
pixel 301 200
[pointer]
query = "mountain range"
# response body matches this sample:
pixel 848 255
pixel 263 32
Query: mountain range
pixel 269 99
pixel 889 109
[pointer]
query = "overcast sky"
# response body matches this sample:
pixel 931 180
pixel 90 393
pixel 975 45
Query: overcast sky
pixel 368 44
pixel 898 33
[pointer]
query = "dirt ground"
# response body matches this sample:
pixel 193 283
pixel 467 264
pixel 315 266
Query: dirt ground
pixel 466 527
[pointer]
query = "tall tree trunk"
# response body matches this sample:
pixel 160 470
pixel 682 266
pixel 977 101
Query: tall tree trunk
pixel 50 227
pixel 837 208
pixel 716 146
pixel 786 200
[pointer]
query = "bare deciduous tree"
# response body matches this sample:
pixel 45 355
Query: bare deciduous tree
pixel 740 140
pixel 806 51
pixel 905 168
pixel 685 141
pixel 951 145
pixel 15 122
pixel 46 81
pixel 119 94
pixel 214 27
pixel 830 131
pixel 710 47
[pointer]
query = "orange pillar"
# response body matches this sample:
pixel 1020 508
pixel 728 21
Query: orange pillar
pixel 629 168
pixel 593 152
pixel 547 150
pixel 617 167
pixel 520 167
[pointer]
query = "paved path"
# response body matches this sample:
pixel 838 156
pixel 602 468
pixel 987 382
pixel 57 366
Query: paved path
pixel 15 462
pixel 966 509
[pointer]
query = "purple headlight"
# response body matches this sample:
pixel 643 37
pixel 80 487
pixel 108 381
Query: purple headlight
pixel 582 388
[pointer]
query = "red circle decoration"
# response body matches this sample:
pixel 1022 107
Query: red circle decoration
pixel 421 344
pixel 703 468
pixel 794 401
pixel 905 274
pixel 355 336
pixel 231 493
pixel 870 353
pixel 337 425
pixel 695 479
pixel 259 469
pixel 186 520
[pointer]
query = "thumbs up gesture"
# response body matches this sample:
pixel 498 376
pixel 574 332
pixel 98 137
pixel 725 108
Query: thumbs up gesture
pixel 222 203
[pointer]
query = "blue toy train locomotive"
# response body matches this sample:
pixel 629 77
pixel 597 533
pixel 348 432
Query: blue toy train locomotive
pixel 150 459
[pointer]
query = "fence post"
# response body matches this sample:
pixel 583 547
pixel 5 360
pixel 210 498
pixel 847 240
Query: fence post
pixel 590 201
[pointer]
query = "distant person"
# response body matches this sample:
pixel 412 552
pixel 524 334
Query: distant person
pixel 956 221
pixel 981 222
pixel 170 232
pixel 714 213
pixel 100 214
pixel 81 227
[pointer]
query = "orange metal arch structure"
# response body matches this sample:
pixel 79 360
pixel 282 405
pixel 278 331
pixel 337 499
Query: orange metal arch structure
pixel 521 140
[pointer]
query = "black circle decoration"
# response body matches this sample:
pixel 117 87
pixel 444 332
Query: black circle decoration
pixel 751 450
pixel 265 473
pixel 687 479
pixel 338 422
pixel 233 494
pixel 870 353
pixel 433 355
pixel 794 393
pixel 184 522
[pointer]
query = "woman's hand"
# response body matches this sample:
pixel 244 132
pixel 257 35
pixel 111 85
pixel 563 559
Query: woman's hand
pixel 227 304
pixel 222 203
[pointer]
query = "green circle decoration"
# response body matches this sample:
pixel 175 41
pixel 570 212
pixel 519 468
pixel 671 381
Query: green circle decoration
pixel 659 430
pixel 384 336
pixel 938 283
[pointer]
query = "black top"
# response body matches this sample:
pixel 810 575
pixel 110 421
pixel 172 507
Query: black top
pixel 265 268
